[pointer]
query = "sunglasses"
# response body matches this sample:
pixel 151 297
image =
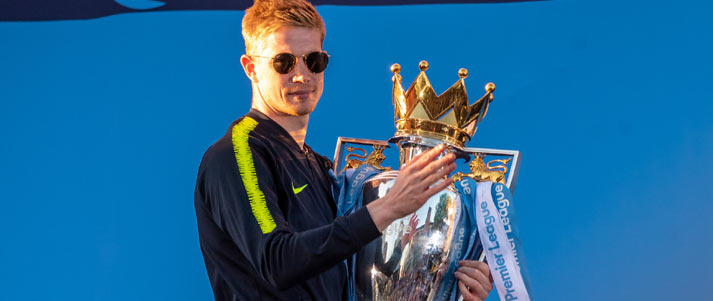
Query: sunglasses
pixel 284 62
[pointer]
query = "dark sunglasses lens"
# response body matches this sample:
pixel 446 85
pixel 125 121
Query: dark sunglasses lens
pixel 283 63
pixel 317 61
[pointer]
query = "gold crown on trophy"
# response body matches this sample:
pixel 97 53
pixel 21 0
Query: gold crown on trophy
pixel 447 117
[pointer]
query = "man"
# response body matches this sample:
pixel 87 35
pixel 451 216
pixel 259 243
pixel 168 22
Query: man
pixel 266 216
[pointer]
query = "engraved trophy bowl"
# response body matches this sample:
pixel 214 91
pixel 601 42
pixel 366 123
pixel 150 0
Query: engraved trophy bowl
pixel 411 258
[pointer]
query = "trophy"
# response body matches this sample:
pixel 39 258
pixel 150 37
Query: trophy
pixel 416 256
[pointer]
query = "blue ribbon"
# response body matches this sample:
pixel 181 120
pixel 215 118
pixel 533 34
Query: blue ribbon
pixel 503 200
pixel 348 195
pixel 467 221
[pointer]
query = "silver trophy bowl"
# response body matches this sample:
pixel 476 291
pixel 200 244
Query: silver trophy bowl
pixel 411 260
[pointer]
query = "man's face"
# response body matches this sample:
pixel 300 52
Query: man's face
pixel 297 92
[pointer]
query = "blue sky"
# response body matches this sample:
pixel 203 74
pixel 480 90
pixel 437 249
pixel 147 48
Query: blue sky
pixel 104 122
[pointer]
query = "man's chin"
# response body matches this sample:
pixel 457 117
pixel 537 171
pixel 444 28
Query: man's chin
pixel 297 112
pixel 303 109
pixel 304 112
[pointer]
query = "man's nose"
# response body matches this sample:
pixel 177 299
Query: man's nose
pixel 301 72
pixel 298 78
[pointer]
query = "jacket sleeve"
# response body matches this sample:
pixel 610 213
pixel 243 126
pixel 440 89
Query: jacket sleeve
pixel 243 198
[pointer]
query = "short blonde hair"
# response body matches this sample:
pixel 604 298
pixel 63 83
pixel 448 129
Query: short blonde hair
pixel 267 16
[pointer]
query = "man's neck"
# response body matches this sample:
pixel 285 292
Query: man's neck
pixel 296 126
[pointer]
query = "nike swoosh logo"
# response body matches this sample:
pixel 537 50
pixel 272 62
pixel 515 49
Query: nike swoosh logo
pixel 298 189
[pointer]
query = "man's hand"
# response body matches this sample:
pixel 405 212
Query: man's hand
pixel 413 186
pixel 474 280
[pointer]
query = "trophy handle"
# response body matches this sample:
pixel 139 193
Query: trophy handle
pixel 480 171
pixel 344 158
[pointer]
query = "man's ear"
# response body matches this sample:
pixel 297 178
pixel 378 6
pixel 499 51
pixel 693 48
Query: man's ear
pixel 248 67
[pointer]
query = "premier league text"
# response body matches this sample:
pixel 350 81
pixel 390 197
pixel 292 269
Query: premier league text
pixel 500 265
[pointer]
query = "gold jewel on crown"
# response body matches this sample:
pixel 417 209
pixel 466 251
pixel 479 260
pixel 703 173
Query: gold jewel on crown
pixel 448 117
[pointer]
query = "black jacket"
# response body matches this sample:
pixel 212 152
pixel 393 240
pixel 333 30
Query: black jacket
pixel 266 217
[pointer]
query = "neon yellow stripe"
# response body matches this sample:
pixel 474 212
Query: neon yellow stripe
pixel 244 157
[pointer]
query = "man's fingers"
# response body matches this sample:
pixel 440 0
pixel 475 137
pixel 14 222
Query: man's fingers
pixel 482 266
pixel 467 296
pixel 475 286
pixel 431 152
pixel 435 166
pixel 478 275
pixel 428 177
pixel 432 177
pixel 422 159
pixel 438 187
pixel 440 175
